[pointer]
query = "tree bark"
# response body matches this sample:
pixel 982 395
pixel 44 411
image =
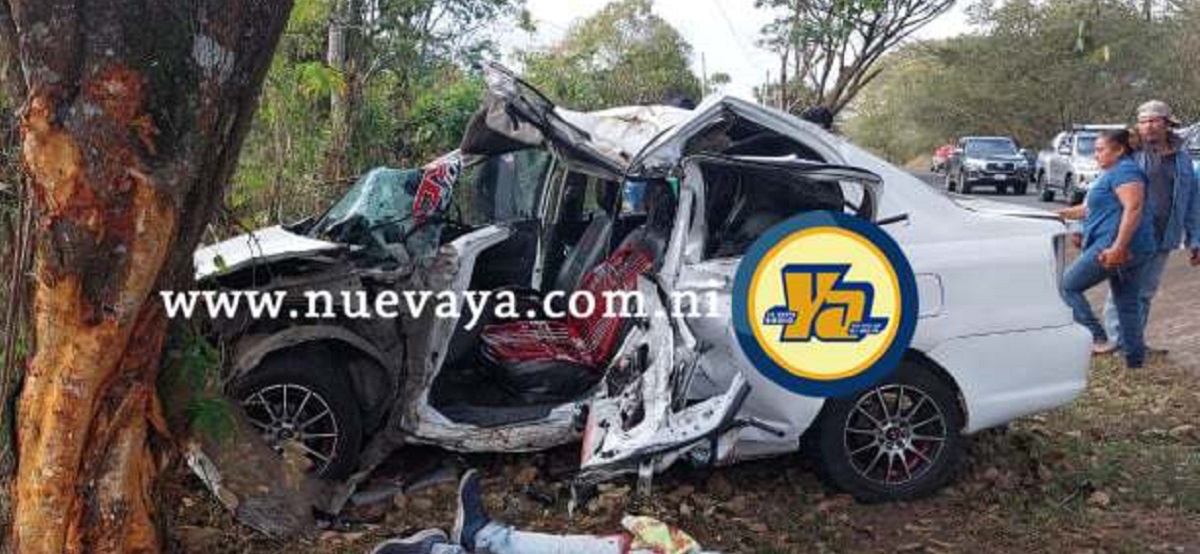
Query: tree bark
pixel 134 115
pixel 341 56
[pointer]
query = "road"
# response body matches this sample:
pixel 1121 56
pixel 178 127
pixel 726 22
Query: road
pixel 1029 199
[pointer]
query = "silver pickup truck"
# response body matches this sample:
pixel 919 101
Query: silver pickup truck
pixel 1068 167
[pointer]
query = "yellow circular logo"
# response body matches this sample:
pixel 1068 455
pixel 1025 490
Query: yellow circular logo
pixel 824 304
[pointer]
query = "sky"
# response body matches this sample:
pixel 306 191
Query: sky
pixel 722 33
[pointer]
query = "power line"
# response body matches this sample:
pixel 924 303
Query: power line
pixel 737 38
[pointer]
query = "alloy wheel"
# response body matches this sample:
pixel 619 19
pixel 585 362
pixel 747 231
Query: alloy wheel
pixel 294 413
pixel 894 434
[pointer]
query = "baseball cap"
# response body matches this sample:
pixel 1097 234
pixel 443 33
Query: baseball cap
pixel 1156 108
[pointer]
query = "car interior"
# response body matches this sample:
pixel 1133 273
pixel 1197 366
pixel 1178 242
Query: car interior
pixel 509 371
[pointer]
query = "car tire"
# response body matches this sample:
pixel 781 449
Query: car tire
pixel 1002 189
pixel 1046 192
pixel 1069 192
pixel 856 432
pixel 1077 196
pixel 1022 189
pixel 965 186
pixel 950 182
pixel 298 396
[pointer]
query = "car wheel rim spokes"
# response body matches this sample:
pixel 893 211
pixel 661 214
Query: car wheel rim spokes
pixel 894 434
pixel 295 414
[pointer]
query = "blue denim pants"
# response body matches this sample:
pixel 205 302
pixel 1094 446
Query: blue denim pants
pixel 1150 279
pixel 1125 284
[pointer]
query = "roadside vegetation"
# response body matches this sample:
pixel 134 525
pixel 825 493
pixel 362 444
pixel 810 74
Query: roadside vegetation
pixel 1033 69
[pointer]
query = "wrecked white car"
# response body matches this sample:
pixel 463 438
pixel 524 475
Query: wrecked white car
pixel 663 201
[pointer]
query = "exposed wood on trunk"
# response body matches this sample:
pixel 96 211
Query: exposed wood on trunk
pixel 129 136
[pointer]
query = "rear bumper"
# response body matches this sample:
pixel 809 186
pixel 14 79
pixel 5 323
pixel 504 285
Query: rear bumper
pixel 1005 376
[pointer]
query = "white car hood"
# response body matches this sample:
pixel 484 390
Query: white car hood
pixel 263 245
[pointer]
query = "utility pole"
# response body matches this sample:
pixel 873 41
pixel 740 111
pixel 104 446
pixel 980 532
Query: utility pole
pixel 703 76
pixel 766 91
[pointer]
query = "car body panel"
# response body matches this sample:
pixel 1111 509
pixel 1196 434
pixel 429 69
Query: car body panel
pixel 259 247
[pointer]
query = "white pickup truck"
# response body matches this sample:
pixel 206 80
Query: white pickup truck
pixel 1069 165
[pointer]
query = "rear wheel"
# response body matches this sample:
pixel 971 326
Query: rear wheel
pixel 299 398
pixel 898 440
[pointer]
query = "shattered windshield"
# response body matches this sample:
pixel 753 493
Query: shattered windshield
pixel 394 206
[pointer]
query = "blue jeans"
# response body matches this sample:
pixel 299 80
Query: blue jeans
pixel 1151 277
pixel 1125 284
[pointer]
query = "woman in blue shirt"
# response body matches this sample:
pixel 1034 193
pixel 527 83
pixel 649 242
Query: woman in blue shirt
pixel 1117 241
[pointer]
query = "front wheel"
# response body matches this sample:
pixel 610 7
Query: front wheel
pixel 301 399
pixel 1047 195
pixel 899 440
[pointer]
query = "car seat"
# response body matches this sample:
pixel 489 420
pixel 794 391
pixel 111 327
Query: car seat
pixel 558 359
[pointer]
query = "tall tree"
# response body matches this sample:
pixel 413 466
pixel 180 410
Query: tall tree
pixel 835 45
pixel 1033 69
pixel 130 132
pixel 624 54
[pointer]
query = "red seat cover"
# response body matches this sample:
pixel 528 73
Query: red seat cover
pixel 587 341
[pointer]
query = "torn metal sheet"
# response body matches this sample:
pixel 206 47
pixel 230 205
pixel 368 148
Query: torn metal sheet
pixel 262 246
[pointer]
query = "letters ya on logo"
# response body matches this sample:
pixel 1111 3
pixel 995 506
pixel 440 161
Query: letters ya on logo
pixel 821 304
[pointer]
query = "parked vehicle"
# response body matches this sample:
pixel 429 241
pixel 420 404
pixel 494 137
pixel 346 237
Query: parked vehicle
pixel 1192 135
pixel 990 162
pixel 1069 165
pixel 941 157
pixel 662 201
pixel 1030 162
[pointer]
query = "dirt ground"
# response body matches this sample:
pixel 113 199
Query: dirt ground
pixel 1116 471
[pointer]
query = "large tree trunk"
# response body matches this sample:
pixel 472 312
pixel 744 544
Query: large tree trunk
pixel 133 119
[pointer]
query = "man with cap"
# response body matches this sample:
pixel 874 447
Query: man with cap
pixel 1173 202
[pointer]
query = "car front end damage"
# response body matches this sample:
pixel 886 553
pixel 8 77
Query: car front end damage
pixel 674 388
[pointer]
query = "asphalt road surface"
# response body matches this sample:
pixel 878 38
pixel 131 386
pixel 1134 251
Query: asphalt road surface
pixel 1029 199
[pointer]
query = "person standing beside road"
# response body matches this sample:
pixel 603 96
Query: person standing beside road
pixel 1118 239
pixel 1173 201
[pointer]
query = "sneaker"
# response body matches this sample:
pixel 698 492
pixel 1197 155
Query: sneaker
pixel 420 543
pixel 471 516
pixel 1101 348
